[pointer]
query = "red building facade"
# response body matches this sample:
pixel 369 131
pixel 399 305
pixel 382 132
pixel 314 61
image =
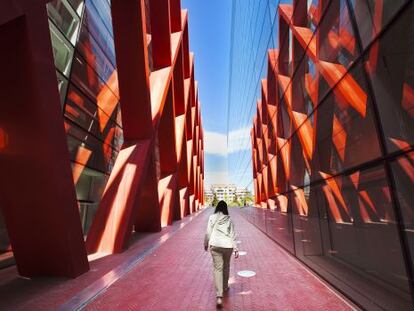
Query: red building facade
pixel 332 142
pixel 113 146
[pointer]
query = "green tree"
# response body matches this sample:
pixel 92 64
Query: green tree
pixel 215 200
pixel 236 200
pixel 249 199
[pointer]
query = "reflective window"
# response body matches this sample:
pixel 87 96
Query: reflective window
pixel 101 9
pixel 65 18
pixel 85 149
pixel 91 118
pixel 372 16
pixel 88 85
pixel 390 64
pixel 313 14
pixel 77 6
pixel 98 30
pixel 337 46
pixel 89 189
pixel 6 254
pixel 337 40
pixel 347 227
pixel 4 237
pixel 403 171
pixel 93 54
pixel 62 50
pixel 279 223
pixel 63 86
pixel 89 82
pixel 345 127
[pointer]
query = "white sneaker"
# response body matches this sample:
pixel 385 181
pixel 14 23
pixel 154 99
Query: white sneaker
pixel 219 302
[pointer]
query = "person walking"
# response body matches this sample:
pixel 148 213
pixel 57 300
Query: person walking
pixel 220 240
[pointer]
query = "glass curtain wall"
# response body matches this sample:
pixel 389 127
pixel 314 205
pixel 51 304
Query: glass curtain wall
pixel 253 33
pixel 6 255
pixel 84 54
pixel 338 138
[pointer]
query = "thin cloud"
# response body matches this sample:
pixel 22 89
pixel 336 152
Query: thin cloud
pixel 239 140
pixel 215 143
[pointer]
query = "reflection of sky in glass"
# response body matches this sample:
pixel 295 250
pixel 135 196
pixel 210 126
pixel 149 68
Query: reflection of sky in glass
pixel 254 32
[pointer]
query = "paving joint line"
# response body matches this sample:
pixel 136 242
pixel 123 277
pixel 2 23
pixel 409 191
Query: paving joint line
pixel 329 286
pixel 101 285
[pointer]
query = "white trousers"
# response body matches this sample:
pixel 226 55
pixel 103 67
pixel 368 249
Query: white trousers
pixel 221 268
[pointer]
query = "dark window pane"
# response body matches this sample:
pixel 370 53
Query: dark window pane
pixel 337 46
pixel 313 14
pixel 279 225
pixel 89 82
pixel 372 16
pixel 63 86
pixel 65 18
pixel 77 5
pixel 4 237
pixel 91 118
pixel 345 127
pixel 390 63
pixel 92 53
pixel 346 230
pixel 87 150
pixel 337 39
pixel 6 253
pixel 89 189
pixel 62 50
pixel 95 26
pixel 403 170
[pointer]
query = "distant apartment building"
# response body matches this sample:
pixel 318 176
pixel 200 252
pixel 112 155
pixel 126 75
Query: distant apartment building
pixel 226 192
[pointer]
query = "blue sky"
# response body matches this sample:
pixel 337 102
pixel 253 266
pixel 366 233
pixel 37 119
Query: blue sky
pixel 210 40
pixel 209 29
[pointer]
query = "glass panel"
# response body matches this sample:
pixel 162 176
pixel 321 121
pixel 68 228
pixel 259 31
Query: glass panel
pixel 337 46
pixel 345 127
pixel 4 237
pixel 62 50
pixel 88 81
pixel 62 85
pixel 337 39
pixel 77 5
pixel 403 171
pixel 98 30
pixel 298 162
pixel 101 9
pixel 92 119
pixel 87 150
pixel 346 230
pixel 6 253
pixel 313 14
pixel 372 16
pixel 65 18
pixel 89 189
pixel 390 64
pixel 93 54
pixel 279 222
pixel 306 220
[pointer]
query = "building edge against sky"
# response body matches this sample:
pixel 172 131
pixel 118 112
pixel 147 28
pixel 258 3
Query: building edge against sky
pixel 332 145
pixel 114 146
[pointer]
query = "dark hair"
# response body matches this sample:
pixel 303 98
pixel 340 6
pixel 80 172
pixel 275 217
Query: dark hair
pixel 221 207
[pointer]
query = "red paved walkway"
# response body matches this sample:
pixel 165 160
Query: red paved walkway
pixel 176 275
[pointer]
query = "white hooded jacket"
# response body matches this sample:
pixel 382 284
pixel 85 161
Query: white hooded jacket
pixel 220 232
